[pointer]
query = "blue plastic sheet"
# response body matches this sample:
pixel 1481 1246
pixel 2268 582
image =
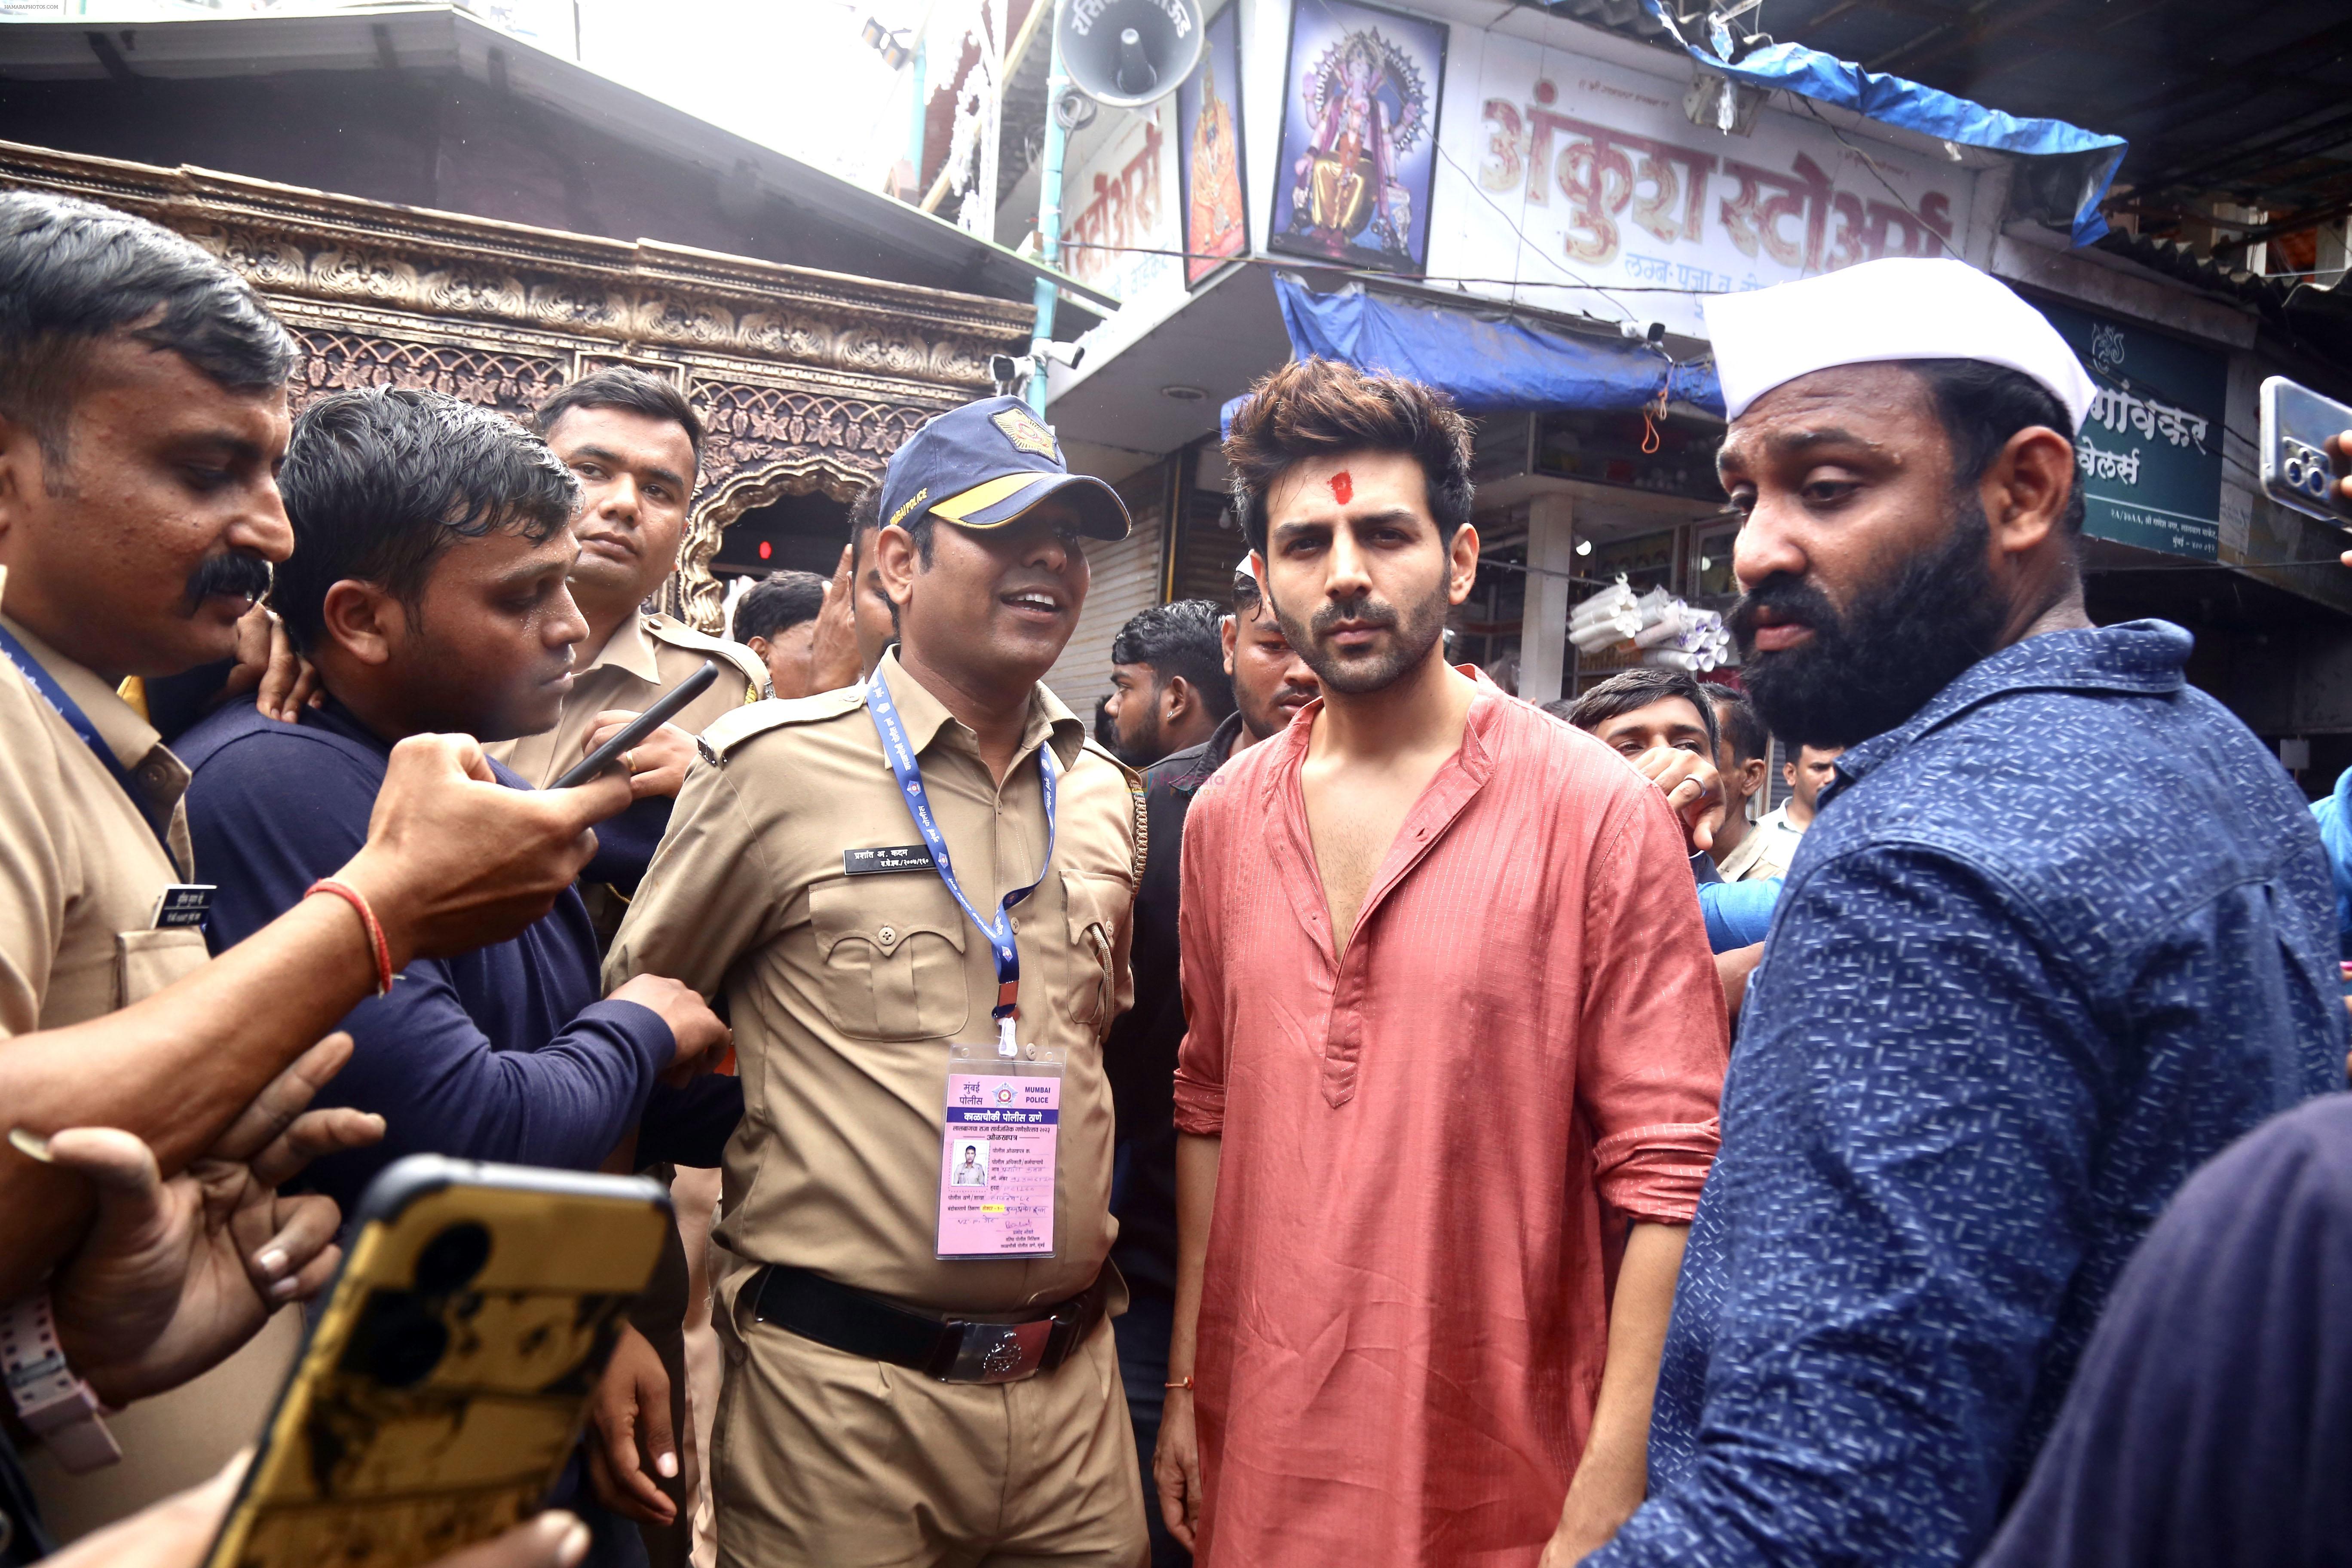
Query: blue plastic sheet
pixel 1482 362
pixel 1893 100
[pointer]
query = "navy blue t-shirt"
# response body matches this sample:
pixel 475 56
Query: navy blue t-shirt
pixel 2210 1424
pixel 504 1054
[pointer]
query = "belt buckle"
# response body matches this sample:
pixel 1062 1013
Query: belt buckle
pixel 999 1352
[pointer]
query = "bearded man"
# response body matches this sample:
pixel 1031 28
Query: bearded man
pixel 1453 1040
pixel 2061 929
pixel 1169 688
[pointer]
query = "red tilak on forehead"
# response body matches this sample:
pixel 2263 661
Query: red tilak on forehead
pixel 1342 487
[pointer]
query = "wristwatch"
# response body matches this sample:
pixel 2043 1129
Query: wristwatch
pixel 60 1407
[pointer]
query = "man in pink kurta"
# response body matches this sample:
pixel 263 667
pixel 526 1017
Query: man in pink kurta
pixel 1431 1144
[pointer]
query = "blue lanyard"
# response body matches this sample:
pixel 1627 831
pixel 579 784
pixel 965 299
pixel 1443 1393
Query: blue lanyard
pixel 42 681
pixel 1006 952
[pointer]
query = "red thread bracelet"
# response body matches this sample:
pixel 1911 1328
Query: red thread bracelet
pixel 358 901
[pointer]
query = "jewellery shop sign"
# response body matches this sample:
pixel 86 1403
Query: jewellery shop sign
pixel 2149 452
pixel 1575 184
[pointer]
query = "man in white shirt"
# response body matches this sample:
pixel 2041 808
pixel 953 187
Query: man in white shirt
pixel 1776 836
pixel 1743 761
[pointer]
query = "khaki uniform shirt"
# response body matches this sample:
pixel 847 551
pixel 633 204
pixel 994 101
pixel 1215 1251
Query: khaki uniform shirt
pixel 1767 851
pixel 845 991
pixel 646 655
pixel 81 868
pixel 81 872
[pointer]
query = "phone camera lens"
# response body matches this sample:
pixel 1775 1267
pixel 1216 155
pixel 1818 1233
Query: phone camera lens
pixel 405 1354
pixel 451 1260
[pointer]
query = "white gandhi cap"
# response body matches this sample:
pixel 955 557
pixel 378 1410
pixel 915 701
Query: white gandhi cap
pixel 1901 308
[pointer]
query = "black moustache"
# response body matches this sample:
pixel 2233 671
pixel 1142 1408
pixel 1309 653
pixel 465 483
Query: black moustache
pixel 1790 598
pixel 1363 610
pixel 1898 641
pixel 235 576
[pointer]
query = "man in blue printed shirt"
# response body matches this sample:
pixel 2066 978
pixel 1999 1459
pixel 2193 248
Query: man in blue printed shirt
pixel 2061 930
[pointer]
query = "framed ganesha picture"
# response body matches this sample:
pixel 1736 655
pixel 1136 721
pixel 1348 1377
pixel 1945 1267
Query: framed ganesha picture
pixel 1359 136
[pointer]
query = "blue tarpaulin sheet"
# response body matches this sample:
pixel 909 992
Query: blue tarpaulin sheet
pixel 1482 362
pixel 1893 100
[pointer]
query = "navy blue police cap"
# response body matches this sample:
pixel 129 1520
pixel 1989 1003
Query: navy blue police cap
pixel 987 464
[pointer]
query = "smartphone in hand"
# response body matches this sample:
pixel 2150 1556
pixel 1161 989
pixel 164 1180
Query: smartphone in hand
pixel 445 1384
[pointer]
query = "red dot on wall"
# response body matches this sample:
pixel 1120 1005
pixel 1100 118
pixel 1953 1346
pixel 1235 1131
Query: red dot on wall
pixel 766 550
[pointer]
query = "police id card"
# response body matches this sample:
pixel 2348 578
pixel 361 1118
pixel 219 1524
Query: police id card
pixel 998 1152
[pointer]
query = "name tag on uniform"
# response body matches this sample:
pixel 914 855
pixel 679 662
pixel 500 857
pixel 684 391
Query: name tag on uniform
pixel 182 904
pixel 874 862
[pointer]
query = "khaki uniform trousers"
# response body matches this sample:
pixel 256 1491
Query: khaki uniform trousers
pixel 824 1459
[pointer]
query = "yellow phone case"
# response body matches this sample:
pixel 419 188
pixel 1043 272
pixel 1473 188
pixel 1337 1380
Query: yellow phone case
pixel 443 1386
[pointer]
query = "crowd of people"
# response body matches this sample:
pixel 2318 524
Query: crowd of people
pixel 1472 1133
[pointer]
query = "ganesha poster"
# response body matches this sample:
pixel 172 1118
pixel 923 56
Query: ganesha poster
pixel 1359 136
pixel 1209 152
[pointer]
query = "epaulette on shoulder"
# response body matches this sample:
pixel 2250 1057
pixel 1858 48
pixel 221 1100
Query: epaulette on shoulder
pixel 736 725
pixel 677 633
pixel 1134 778
pixel 1135 795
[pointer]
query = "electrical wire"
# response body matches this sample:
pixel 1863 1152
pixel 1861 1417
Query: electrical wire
pixel 1291 263
pixel 1872 164
pixel 1575 281
pixel 1571 578
pixel 2245 470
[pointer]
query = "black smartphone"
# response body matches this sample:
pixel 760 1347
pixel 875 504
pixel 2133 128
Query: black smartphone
pixel 638 728
pixel 440 1392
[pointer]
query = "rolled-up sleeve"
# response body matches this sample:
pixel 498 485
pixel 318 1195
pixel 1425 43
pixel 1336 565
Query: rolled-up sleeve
pixel 1739 914
pixel 1655 1037
pixel 1201 1060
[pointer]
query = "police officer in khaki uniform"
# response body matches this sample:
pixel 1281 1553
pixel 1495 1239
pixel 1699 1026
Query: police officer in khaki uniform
pixel 91 824
pixel 913 937
pixel 635 444
pixel 142 412
pixel 645 656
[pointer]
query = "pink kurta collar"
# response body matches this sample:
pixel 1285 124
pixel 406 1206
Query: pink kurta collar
pixel 1290 848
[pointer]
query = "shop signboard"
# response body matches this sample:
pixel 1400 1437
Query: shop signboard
pixel 1125 232
pixel 1575 184
pixel 2149 452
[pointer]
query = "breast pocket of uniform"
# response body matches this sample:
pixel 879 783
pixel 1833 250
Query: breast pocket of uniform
pixel 147 960
pixel 1097 903
pixel 893 953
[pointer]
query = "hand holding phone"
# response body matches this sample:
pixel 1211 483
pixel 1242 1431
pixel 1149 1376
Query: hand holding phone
pixel 2303 450
pixel 664 707
pixel 443 1386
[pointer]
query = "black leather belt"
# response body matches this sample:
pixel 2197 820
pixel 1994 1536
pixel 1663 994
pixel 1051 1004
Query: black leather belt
pixel 952 1349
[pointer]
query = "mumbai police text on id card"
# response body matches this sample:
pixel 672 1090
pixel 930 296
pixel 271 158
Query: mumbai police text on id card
pixel 997 1153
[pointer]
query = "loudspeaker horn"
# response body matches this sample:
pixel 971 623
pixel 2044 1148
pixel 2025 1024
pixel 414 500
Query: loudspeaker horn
pixel 1126 53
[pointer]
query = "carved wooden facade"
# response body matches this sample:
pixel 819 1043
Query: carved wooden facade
pixel 808 381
